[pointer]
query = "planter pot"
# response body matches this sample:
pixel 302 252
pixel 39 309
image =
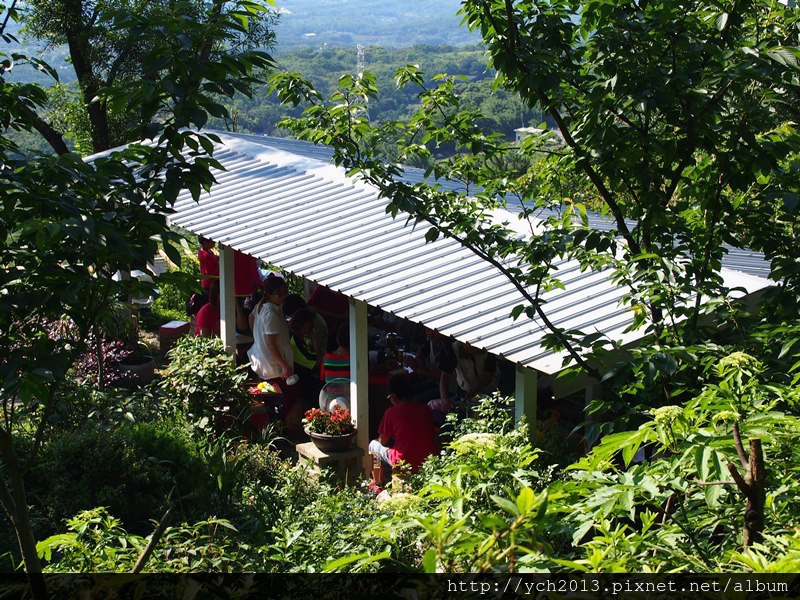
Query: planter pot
pixel 138 371
pixel 331 443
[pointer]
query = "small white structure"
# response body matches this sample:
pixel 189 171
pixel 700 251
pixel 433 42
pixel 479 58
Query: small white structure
pixel 548 136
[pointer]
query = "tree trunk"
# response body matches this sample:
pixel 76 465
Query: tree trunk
pixel 756 496
pixel 15 503
pixel 79 53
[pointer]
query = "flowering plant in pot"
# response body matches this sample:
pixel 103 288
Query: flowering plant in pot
pixel 330 431
pixel 337 422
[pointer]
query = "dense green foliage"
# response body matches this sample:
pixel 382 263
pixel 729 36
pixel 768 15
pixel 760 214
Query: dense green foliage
pixel 503 111
pixel 133 469
pixel 110 47
pixel 490 502
pixel 702 155
pixel 200 377
pixel 69 225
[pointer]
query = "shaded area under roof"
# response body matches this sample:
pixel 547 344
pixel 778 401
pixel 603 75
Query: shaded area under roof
pixel 282 202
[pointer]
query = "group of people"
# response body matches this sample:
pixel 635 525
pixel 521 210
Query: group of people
pixel 247 279
pixel 292 348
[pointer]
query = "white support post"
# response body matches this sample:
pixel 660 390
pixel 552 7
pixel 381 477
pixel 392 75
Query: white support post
pixel 526 395
pixel 227 298
pixel 359 375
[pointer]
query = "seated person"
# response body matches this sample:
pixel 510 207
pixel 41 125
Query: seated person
pixel 336 364
pixel 409 424
pixel 206 322
pixel 476 371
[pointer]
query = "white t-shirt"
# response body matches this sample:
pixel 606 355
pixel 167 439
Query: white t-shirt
pixel 269 320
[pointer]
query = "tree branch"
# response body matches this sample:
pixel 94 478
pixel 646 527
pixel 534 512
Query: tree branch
pixel 739 480
pixel 43 422
pixel 574 354
pixel 9 10
pixel 154 539
pixel 48 132
pixel 157 533
pixel 737 440
pixel 583 159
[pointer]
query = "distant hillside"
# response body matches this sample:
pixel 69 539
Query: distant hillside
pixel 386 23
pixel 318 24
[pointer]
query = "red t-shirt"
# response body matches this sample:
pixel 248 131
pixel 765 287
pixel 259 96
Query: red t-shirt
pixel 412 427
pixel 207 317
pixel 245 274
pixel 209 265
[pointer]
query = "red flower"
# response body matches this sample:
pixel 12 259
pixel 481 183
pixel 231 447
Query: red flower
pixel 337 422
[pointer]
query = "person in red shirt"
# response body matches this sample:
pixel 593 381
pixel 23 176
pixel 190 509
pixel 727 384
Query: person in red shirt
pixel 206 322
pixel 409 424
pixel 209 262
pixel 246 278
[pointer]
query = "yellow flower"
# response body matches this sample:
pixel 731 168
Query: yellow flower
pixel 666 414
pixel 739 361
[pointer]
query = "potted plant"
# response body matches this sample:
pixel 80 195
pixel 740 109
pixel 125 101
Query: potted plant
pixel 330 431
pixel 138 366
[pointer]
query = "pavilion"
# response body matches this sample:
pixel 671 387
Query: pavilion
pixel 283 202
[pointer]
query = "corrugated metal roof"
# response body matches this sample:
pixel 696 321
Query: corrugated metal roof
pixel 737 259
pixel 281 201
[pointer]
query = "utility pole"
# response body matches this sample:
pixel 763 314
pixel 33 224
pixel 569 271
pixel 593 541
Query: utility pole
pixel 360 73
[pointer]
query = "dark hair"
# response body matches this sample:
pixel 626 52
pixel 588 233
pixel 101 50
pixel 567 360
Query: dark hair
pixel 213 293
pixel 343 335
pixel 292 303
pixel 301 317
pixel 202 240
pixel 400 386
pixel 273 283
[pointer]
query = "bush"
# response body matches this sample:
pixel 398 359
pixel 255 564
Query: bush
pixel 96 542
pixel 330 526
pixel 77 405
pixel 170 303
pixel 85 369
pixel 201 376
pixel 134 469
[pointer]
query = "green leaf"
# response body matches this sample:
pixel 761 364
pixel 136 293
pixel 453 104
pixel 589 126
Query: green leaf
pixel 784 56
pixel 525 500
pixel 362 559
pixel 506 504
pixel 429 561
pixel 45 548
